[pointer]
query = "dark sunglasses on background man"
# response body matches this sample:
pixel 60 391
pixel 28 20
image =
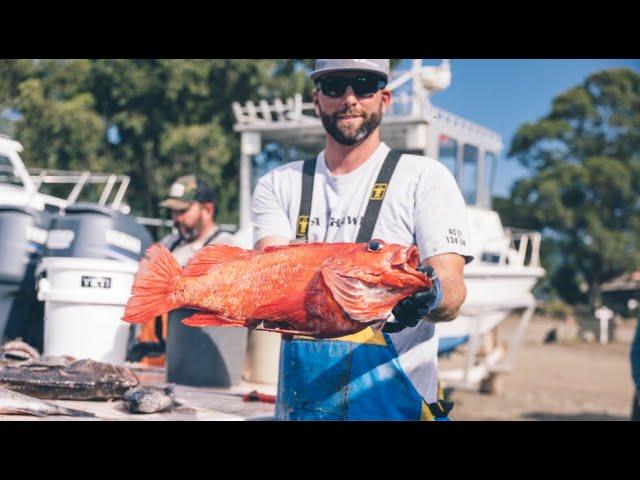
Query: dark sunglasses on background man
pixel 362 85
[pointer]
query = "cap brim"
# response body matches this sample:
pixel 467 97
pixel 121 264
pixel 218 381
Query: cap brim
pixel 324 71
pixel 175 204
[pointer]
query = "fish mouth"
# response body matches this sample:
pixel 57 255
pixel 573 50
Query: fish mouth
pixel 406 257
pixel 407 260
pixel 413 257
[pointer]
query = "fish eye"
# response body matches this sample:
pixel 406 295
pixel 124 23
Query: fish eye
pixel 375 245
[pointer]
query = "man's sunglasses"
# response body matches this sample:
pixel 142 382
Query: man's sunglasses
pixel 363 85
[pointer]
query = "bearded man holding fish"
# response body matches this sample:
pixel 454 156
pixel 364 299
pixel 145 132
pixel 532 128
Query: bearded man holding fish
pixel 358 190
pixel 193 206
pixel 358 252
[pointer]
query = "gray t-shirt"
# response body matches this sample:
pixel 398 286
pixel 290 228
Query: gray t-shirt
pixel 185 250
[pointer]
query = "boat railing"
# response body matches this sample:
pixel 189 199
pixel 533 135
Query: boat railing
pixel 79 180
pixel 290 111
pixel 524 248
pixel 456 122
pixel 166 223
pixel 293 112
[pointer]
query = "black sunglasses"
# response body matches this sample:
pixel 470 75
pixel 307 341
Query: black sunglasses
pixel 362 85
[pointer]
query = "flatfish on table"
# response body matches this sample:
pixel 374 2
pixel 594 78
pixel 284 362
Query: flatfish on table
pixel 62 377
pixel 14 403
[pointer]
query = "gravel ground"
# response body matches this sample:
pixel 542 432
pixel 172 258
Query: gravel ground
pixel 566 380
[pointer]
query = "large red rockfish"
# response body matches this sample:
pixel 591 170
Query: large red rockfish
pixel 321 290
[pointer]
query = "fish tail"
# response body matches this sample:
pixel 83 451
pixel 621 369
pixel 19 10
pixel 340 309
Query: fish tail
pixel 152 285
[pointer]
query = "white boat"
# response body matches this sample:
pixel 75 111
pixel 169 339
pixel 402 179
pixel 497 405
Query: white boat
pixel 506 262
pixel 22 186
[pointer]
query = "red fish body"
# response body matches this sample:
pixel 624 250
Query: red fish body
pixel 322 290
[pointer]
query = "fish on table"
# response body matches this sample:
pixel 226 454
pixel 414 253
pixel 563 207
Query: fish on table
pixel 65 378
pixel 322 290
pixel 14 403
pixel 17 351
pixel 149 399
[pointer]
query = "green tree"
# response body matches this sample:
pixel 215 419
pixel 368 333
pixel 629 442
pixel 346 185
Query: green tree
pixel 12 73
pixel 150 119
pixel 585 189
pixel 164 117
pixel 173 116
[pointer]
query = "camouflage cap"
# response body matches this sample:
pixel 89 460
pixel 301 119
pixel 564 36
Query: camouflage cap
pixel 186 190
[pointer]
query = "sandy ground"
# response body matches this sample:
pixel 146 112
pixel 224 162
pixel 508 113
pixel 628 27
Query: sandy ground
pixel 567 380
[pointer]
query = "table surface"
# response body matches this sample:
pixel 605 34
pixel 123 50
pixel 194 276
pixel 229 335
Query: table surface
pixel 196 403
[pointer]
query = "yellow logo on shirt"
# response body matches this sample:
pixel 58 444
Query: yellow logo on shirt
pixel 303 225
pixel 379 189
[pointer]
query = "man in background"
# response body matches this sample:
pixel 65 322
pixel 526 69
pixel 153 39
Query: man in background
pixel 192 203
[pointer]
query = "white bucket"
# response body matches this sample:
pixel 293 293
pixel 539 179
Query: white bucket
pixel 262 358
pixel 84 303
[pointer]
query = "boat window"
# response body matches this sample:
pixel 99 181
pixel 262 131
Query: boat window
pixel 273 155
pixel 469 173
pixel 448 152
pixel 490 257
pixel 7 174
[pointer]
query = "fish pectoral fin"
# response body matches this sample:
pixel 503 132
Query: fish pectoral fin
pixel 210 319
pixel 286 308
pixel 213 255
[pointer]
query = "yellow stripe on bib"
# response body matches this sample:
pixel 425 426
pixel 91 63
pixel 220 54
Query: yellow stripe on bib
pixel 366 336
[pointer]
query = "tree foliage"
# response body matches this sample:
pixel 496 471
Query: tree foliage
pixel 585 189
pixel 153 120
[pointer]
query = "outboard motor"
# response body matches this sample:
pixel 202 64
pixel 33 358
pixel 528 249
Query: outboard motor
pixel 88 230
pixel 23 233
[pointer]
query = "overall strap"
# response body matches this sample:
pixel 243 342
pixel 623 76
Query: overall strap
pixel 302 226
pixel 213 236
pixel 377 196
pixel 177 241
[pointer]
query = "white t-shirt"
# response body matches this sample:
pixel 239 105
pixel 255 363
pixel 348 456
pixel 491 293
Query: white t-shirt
pixel 422 205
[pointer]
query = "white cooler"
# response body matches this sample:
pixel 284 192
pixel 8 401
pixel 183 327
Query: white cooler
pixel 84 304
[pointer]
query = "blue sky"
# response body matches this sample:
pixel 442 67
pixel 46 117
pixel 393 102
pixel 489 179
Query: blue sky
pixel 503 94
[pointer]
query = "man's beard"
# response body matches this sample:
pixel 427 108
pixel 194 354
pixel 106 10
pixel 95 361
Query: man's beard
pixel 190 234
pixel 349 138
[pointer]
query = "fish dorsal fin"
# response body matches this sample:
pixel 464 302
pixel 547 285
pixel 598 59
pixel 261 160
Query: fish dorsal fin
pixel 275 248
pixel 213 255
pixel 361 300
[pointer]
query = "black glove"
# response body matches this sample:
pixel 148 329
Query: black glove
pixel 411 310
